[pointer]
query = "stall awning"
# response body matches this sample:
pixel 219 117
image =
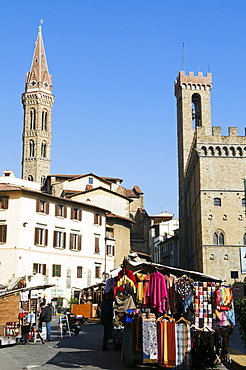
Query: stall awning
pixel 150 267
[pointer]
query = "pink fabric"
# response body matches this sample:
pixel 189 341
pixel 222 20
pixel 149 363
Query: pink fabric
pixel 157 292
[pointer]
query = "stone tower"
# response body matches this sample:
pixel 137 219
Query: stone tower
pixel 37 102
pixel 212 169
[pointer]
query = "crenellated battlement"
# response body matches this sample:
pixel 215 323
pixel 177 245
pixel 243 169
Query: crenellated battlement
pixel 218 145
pixel 192 82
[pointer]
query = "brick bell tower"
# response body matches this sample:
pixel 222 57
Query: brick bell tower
pixel 37 102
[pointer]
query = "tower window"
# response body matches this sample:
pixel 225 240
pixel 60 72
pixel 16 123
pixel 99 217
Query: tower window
pixel 196 110
pixel 44 120
pixel 218 238
pixel 31 148
pixel 244 239
pixel 30 178
pixel 43 150
pixel 244 202
pixel 32 119
pixel 217 202
pixel 42 180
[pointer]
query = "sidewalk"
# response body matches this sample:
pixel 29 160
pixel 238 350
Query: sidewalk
pixel 237 350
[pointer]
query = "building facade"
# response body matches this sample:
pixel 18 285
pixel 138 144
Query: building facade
pixel 212 169
pixel 51 240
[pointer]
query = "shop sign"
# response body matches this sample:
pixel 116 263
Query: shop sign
pixel 35 294
pixel 24 296
pixel 56 292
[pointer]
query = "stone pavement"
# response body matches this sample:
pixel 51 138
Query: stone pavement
pixel 78 352
pixel 237 349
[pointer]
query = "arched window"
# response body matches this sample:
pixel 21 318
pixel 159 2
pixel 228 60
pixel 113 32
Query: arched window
pixel 218 150
pixel 240 151
pixel 233 152
pixel 196 110
pixel 217 202
pixel 32 119
pixel 44 120
pixel 211 150
pixel 218 238
pixel 30 178
pixel 225 150
pixel 244 239
pixel 215 239
pixel 43 150
pixel 31 148
pixel 204 150
pixel 42 180
pixel 221 239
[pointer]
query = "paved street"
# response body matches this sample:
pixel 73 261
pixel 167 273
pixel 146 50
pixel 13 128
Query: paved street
pixel 78 352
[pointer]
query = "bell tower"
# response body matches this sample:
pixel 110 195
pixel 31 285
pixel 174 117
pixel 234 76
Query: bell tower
pixel 193 115
pixel 37 102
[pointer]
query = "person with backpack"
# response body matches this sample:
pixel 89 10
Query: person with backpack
pixel 45 316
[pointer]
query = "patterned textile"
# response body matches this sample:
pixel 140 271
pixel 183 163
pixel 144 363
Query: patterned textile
pixel 183 345
pixel 224 298
pixel 203 304
pixel 149 339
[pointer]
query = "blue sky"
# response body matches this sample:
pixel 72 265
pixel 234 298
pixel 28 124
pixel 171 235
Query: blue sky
pixel 114 63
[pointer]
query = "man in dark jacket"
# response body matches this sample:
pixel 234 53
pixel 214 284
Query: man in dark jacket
pixel 46 316
pixel 106 319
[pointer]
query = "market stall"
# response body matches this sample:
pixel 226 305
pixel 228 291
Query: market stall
pixel 18 311
pixel 172 317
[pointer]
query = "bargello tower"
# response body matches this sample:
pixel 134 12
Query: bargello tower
pixel 212 173
pixel 37 102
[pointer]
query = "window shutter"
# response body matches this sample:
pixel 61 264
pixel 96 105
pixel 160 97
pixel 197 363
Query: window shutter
pixel 46 237
pixel 100 219
pixel 47 207
pixel 35 267
pixel 4 233
pixel 80 215
pixel 56 209
pixel 55 239
pixel 72 213
pixel 80 242
pixel 65 211
pixel 71 242
pixel 107 250
pixel 44 269
pixel 113 250
pixel 64 240
pixel 59 270
pixel 79 271
pixel 97 245
pixel 37 205
pixel 95 218
pixel 5 202
pixel 53 270
pixel 36 235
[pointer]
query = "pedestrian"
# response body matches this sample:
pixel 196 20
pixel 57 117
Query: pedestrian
pixel 106 319
pixel 45 316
